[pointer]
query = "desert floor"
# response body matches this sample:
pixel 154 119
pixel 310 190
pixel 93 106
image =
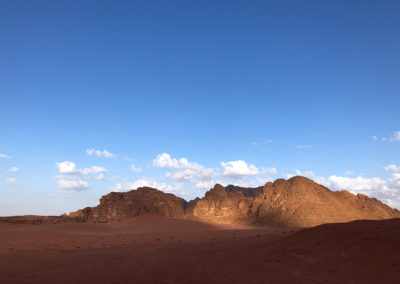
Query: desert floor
pixel 152 249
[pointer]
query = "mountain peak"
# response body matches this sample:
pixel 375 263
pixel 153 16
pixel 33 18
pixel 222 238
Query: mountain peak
pixel 298 202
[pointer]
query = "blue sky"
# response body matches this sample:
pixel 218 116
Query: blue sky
pixel 192 94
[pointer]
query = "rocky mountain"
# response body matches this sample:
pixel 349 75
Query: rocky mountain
pixel 117 206
pixel 297 202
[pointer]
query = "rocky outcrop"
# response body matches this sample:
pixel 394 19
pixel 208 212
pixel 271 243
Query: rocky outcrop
pixel 117 206
pixel 297 202
pixel 247 191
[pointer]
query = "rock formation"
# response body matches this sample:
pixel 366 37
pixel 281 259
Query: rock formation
pixel 117 206
pixel 297 202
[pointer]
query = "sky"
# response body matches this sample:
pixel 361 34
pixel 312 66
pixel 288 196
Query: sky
pixel 101 96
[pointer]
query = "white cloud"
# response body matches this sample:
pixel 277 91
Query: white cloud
pixel 71 183
pixel 238 169
pixel 100 177
pixel 395 180
pixel 144 182
pixel 356 184
pixel 392 168
pixel 205 184
pixel 93 170
pixel 135 169
pixel 127 159
pixel 182 171
pixel 14 169
pixel 297 172
pixel 349 173
pixel 304 146
pixel 164 160
pixel 70 175
pixel 100 154
pixel 11 181
pixel 188 171
pixel 66 167
pixel 269 171
pixel 182 176
pixel 268 141
pixel 196 170
pixel 396 136
pixel 4 156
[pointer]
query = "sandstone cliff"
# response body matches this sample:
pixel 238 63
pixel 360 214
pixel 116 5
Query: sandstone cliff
pixel 117 206
pixel 297 202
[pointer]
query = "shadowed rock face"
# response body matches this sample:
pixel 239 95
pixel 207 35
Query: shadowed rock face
pixel 297 202
pixel 247 191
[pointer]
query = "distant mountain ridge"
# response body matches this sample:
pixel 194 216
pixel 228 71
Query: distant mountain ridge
pixel 297 202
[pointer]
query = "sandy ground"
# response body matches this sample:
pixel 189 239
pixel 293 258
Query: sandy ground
pixel 151 249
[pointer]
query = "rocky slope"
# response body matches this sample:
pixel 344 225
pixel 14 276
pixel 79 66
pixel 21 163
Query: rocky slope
pixel 297 202
pixel 117 206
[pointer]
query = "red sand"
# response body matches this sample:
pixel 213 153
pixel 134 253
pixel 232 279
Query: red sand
pixel 152 249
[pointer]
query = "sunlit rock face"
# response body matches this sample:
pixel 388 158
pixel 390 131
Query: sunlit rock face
pixel 118 206
pixel 297 202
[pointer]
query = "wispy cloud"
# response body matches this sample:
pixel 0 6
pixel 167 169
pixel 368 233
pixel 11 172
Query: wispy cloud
pixel 4 156
pixel 392 168
pixel 238 169
pixel 395 137
pixel 14 169
pixel 100 154
pixel 264 142
pixel 181 170
pixel 135 169
pixel 68 167
pixel 73 178
pixel 304 146
pixel 11 181
pixel 297 172
pixel 71 183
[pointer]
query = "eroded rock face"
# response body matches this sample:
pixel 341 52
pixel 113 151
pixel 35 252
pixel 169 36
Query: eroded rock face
pixel 247 191
pixel 221 206
pixel 297 202
pixel 117 206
